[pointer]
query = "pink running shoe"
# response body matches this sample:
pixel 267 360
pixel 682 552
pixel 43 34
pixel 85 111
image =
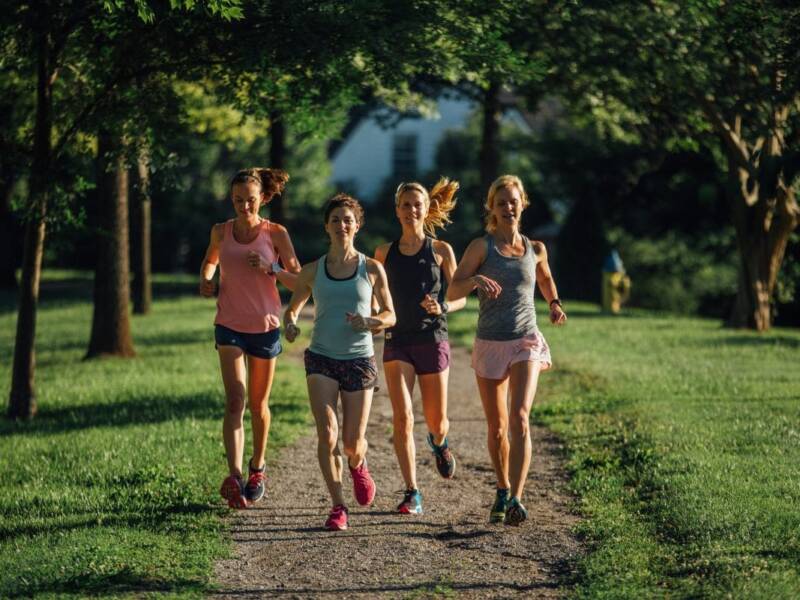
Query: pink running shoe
pixel 337 520
pixel 363 485
pixel 231 490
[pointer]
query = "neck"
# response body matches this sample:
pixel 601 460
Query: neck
pixel 249 220
pixel 412 234
pixel 342 251
pixel 506 233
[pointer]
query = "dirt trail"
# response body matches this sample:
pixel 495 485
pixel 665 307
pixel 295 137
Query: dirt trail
pixel 450 551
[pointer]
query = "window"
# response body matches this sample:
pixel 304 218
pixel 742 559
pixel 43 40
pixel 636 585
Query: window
pixel 404 155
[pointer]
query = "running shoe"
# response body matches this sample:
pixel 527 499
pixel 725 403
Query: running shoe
pixel 445 462
pixel 363 484
pixel 498 512
pixel 515 513
pixel 337 520
pixel 232 490
pixel 256 483
pixel 411 504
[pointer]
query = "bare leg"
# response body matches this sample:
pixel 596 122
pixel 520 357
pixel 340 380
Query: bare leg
pixel 400 381
pixel 493 396
pixel 323 392
pixel 434 404
pixel 355 414
pixel 523 379
pixel 232 366
pixel 260 374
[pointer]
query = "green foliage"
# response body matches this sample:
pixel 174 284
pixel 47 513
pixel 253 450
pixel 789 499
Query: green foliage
pixel 112 489
pixel 683 447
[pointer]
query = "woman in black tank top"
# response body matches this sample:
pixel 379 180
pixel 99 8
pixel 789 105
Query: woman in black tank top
pixel 418 266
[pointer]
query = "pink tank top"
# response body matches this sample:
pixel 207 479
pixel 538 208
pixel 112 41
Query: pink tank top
pixel 248 298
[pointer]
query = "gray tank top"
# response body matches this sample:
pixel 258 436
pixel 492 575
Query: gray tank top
pixel 512 315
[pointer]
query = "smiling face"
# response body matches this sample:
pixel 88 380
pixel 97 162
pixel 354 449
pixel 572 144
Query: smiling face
pixel 411 208
pixel 342 225
pixel 247 198
pixel 507 206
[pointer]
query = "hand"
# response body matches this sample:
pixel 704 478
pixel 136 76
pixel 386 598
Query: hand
pixel 255 260
pixel 489 286
pixel 207 288
pixel 361 323
pixel 290 332
pixel 431 305
pixel 557 315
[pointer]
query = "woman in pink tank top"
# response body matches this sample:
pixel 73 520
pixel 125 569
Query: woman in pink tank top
pixel 249 251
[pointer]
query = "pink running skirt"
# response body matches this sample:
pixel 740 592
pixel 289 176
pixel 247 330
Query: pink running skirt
pixel 492 359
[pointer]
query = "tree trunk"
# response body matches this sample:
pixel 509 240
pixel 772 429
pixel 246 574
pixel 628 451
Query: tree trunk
pixel 22 400
pixel 142 286
pixel 277 160
pixel 762 233
pixel 111 334
pixel 490 137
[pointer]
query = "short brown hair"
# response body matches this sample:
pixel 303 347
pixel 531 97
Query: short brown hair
pixel 345 201
pixel 272 181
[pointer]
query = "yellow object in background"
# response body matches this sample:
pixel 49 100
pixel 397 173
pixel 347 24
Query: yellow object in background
pixel 616 284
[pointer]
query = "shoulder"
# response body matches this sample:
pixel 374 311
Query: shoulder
pixel 277 231
pixel 538 248
pixel 308 270
pixel 374 267
pixel 478 245
pixel 382 251
pixel 443 249
pixel 218 231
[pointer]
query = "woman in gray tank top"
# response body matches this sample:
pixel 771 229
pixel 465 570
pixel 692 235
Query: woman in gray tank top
pixel 509 352
pixel 340 359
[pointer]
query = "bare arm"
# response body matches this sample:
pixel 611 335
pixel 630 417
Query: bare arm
pixel 285 250
pixel 209 265
pixel 547 285
pixel 380 255
pixel 449 265
pixel 465 279
pixel 300 295
pixel 385 316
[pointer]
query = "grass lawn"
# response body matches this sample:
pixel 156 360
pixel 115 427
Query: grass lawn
pixel 684 447
pixel 112 488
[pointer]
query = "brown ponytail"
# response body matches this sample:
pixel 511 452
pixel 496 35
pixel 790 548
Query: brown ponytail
pixel 272 181
pixel 440 202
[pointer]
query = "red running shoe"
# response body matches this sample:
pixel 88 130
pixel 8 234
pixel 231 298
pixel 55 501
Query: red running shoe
pixel 337 520
pixel 363 485
pixel 256 483
pixel 232 489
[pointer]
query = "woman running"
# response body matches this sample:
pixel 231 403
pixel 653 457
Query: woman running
pixel 340 359
pixel 509 350
pixel 249 251
pixel 416 348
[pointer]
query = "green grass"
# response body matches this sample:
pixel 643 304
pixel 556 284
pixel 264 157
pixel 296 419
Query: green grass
pixel 684 447
pixel 112 488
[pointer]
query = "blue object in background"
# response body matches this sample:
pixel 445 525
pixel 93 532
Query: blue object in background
pixel 613 263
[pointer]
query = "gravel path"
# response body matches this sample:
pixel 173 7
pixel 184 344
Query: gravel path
pixel 450 551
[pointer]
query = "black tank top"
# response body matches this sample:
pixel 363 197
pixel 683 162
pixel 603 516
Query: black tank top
pixel 410 279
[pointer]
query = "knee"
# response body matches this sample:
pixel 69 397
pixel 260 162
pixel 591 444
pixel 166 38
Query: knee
pixel 404 423
pixel 498 431
pixel 260 408
pixel 519 424
pixel 328 437
pixel 234 405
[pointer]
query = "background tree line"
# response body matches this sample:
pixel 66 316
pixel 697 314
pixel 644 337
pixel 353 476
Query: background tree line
pixel 675 139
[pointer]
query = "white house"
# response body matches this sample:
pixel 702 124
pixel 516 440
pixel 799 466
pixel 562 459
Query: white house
pixel 372 152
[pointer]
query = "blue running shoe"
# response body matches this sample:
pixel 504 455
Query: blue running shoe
pixel 515 513
pixel 445 462
pixel 411 504
pixel 498 512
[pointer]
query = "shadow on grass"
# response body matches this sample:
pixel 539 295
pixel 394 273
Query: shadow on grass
pixel 756 340
pixel 124 581
pixel 74 290
pixel 138 411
